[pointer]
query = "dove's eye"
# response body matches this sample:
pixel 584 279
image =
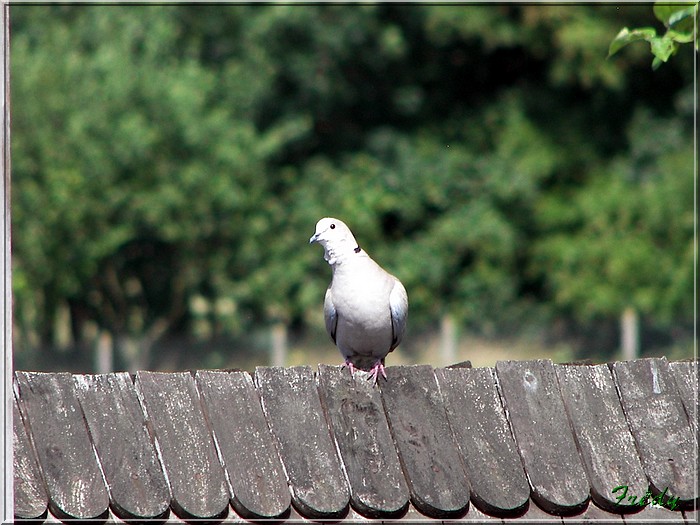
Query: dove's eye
pixel 332 226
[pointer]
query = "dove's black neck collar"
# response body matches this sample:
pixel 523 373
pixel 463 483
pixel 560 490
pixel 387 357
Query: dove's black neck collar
pixel 336 253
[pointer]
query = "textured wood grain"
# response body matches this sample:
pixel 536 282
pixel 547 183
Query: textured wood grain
pixel 691 516
pixel 534 514
pixel 353 406
pixel 254 469
pixel 595 514
pixel 585 392
pixel 474 515
pixel 197 482
pixel 659 424
pixel 436 478
pixel 602 435
pixel 72 475
pixel 31 500
pixel 475 413
pixel 293 411
pixel 542 433
pixel 461 364
pixel 653 514
pixel 137 485
pixel 685 374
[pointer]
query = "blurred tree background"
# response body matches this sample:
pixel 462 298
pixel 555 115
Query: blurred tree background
pixel 169 164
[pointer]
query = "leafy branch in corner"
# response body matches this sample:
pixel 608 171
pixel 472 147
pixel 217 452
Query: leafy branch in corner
pixel 680 20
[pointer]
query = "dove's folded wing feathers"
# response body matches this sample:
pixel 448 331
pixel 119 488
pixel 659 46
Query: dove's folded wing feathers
pixel 398 304
pixel 330 314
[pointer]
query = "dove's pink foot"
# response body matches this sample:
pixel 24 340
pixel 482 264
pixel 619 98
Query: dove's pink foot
pixel 349 364
pixel 377 369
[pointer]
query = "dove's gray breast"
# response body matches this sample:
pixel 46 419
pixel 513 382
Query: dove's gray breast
pixel 359 313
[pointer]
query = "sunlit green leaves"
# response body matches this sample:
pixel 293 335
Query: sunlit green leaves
pixel 625 37
pixel 680 20
pixel 678 16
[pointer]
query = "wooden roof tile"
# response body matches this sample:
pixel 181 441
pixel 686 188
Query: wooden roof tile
pixel 293 411
pixel 602 435
pixel 231 449
pixel 685 374
pixel 654 514
pixel 70 470
pixel 436 478
pixel 197 484
pixel 542 433
pixel 533 513
pixel 127 454
pixel 655 414
pixel 478 421
pixel 31 500
pixel 691 516
pixel 353 407
pixel 595 514
pixel 254 469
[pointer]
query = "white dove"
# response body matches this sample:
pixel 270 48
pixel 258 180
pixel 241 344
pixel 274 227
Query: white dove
pixel 365 307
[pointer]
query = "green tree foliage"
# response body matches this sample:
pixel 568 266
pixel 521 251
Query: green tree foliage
pixel 629 243
pixel 129 174
pixel 170 162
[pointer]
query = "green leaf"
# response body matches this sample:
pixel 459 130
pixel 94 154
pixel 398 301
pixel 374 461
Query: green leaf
pixel 682 37
pixel 671 14
pixel 664 11
pixel 625 36
pixel 684 20
pixel 663 47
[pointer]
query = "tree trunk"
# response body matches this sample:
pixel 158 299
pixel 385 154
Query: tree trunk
pixel 279 344
pixel 629 334
pixel 104 352
pixel 448 340
pixel 128 350
pixel 62 338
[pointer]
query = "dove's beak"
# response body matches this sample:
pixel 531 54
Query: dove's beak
pixel 313 238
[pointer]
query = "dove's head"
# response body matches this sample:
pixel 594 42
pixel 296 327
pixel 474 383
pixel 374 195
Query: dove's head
pixel 336 239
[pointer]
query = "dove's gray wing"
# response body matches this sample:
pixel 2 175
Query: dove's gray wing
pixel 398 305
pixel 330 315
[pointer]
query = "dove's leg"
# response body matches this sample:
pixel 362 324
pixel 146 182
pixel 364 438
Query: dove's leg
pixel 349 364
pixel 377 369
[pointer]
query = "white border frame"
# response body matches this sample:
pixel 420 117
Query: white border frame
pixel 6 442
pixel 6 391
